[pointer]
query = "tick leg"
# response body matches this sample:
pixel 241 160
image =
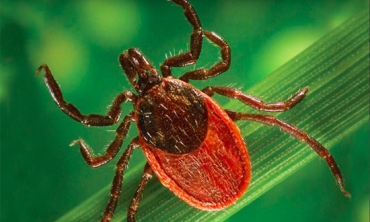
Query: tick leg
pixel 223 66
pixel 300 135
pixel 113 148
pixel 115 191
pixel 192 56
pixel 111 118
pixel 254 102
pixel 134 205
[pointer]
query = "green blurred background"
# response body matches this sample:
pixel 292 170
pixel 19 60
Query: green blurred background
pixel 42 177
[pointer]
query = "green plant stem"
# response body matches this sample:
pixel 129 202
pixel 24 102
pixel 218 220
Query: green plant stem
pixel 336 70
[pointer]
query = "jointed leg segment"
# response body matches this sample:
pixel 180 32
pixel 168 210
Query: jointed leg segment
pixel 113 148
pixel 111 118
pixel 190 57
pixel 255 102
pixel 300 135
pixel 115 191
pixel 134 205
pixel 223 66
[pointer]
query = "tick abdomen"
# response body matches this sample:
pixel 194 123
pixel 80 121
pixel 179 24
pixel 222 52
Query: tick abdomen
pixel 213 176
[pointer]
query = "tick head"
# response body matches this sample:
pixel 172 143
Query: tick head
pixel 139 71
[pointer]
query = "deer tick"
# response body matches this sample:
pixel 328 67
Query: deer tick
pixel 190 143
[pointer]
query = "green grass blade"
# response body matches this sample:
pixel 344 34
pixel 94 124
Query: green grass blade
pixel 336 70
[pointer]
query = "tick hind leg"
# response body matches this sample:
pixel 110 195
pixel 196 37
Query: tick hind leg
pixel 111 118
pixel 300 135
pixel 255 102
pixel 115 191
pixel 134 205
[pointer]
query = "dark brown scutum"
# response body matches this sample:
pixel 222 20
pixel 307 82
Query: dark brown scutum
pixel 172 117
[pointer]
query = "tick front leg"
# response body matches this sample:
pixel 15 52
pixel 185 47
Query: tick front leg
pixel 111 118
pixel 115 191
pixel 192 56
pixel 113 148
pixel 223 66
pixel 134 205
pixel 254 102
pixel 300 135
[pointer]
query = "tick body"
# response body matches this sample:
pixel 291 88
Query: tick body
pixel 193 146
pixel 190 143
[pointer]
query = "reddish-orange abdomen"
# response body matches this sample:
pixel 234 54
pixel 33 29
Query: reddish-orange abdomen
pixel 213 176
